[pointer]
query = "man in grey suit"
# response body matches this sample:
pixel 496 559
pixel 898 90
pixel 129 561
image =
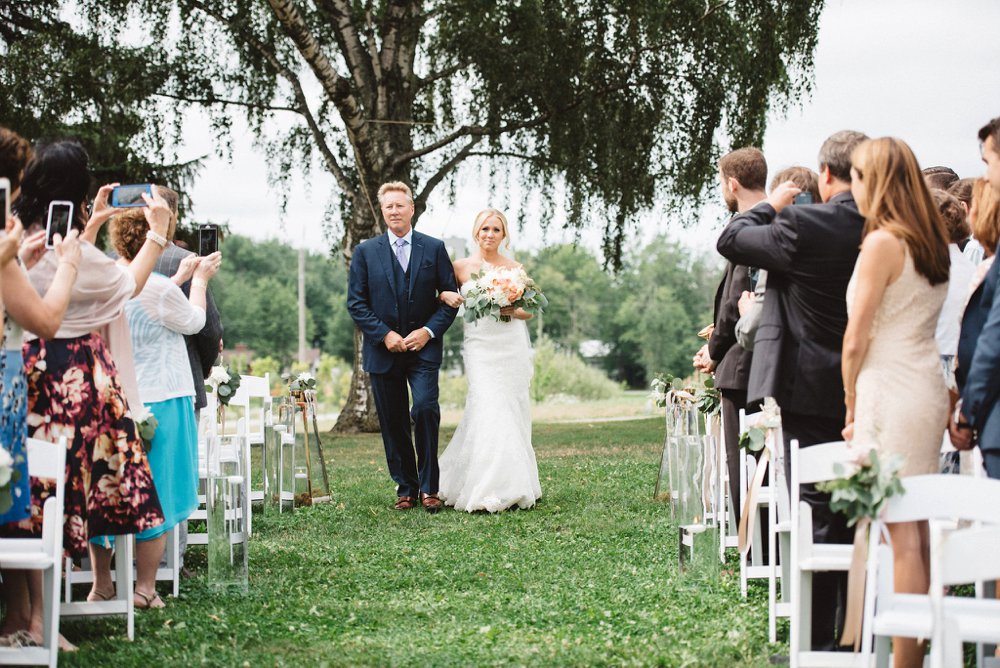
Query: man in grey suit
pixel 203 347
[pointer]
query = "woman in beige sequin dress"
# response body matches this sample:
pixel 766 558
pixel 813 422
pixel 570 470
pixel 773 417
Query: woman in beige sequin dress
pixel 894 390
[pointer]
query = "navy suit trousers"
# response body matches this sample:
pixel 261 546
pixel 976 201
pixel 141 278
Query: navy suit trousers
pixel 411 453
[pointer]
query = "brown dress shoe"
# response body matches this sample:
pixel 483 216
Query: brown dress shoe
pixel 431 502
pixel 405 503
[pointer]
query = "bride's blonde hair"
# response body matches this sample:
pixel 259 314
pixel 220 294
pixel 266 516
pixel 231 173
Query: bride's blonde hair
pixel 485 215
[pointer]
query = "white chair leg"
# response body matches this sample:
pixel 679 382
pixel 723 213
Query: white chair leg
pixel 124 584
pixel 50 629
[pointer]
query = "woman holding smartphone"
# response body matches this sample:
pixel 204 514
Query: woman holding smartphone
pixel 25 309
pixel 74 387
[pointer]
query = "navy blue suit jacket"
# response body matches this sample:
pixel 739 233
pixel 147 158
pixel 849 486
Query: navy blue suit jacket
pixel 371 297
pixel 978 372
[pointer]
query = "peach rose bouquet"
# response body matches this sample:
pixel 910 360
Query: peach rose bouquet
pixel 500 287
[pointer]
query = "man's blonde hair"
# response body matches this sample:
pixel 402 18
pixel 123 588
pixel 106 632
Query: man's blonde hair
pixel 395 186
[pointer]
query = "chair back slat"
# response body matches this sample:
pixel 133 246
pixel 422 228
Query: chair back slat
pixel 969 555
pixel 46 460
pixel 816 463
pixel 945 497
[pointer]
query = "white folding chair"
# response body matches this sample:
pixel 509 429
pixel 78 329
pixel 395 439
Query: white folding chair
pixel 728 514
pixel 775 497
pixel 123 576
pixel 254 399
pixel 46 461
pixel 754 567
pixel 811 465
pixel 959 557
pixel 945 499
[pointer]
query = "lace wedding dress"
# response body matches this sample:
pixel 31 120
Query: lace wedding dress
pixel 489 463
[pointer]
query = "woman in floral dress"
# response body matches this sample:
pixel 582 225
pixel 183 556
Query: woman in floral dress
pixel 74 384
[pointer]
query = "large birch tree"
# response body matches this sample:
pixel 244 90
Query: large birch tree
pixel 615 104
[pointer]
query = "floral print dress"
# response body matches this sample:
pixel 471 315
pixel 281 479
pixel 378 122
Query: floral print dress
pixel 74 391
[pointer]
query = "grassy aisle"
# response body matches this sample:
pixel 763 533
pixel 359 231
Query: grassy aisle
pixel 586 578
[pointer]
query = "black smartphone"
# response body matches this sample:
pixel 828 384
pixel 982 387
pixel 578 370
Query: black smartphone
pixel 208 239
pixel 130 196
pixel 803 198
pixel 5 204
pixel 60 216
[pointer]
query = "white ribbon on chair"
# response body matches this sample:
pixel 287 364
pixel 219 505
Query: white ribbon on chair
pixel 747 517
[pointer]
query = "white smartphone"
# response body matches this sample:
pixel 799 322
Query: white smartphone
pixel 60 217
pixel 5 205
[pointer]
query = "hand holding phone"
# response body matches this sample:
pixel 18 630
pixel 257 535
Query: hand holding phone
pixel 208 239
pixel 5 196
pixel 803 198
pixel 130 196
pixel 59 221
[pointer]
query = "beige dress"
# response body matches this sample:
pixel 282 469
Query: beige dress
pixel 902 402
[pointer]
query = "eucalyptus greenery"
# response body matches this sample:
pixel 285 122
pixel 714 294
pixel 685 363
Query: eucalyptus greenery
pixel 863 492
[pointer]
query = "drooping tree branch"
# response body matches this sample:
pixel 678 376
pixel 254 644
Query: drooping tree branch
pixel 209 101
pixel 333 165
pixel 442 173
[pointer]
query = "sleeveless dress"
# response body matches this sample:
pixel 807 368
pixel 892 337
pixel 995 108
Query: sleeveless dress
pixel 902 402
pixel 489 463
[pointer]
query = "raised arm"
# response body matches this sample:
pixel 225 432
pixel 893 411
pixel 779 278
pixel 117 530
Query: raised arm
pixel 157 214
pixel 43 315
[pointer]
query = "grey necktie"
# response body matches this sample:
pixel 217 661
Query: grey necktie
pixel 400 253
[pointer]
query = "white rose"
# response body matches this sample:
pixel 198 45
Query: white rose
pixel 305 377
pixel 218 376
pixel 142 414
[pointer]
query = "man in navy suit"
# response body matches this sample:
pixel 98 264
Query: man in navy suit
pixel 392 295
pixel 978 373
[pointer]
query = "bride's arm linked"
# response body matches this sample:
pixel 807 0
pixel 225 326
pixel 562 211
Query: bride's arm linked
pixel 518 313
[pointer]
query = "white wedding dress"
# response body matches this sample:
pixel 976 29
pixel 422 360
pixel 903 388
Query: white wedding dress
pixel 489 463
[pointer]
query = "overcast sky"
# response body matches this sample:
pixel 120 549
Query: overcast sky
pixel 922 70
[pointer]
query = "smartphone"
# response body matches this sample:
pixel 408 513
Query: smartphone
pixel 803 198
pixel 60 216
pixel 130 196
pixel 208 239
pixel 5 205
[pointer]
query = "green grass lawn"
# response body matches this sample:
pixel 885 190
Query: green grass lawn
pixel 588 577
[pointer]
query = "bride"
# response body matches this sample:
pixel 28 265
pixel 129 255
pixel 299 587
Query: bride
pixel 489 463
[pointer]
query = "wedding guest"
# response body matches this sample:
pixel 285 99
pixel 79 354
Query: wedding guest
pixel 895 395
pixel 979 343
pixel 204 345
pixel 809 252
pixel 940 178
pixel 743 176
pixel 962 191
pixel 984 219
pixel 159 318
pixel 952 213
pixel 752 305
pixel 73 379
pixel 25 309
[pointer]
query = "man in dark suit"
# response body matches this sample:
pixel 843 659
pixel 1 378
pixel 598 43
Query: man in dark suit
pixel 203 347
pixel 809 252
pixel 743 174
pixel 392 295
pixel 979 344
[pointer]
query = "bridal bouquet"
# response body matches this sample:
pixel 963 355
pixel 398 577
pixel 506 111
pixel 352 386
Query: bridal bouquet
pixel 499 287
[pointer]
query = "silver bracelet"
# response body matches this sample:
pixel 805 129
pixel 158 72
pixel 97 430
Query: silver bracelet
pixel 158 239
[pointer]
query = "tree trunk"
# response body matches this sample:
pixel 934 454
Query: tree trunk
pixel 358 414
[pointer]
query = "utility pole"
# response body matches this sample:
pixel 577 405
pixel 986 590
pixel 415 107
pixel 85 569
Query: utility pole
pixel 302 301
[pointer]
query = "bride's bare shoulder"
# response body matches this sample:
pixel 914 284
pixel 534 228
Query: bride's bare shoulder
pixel 464 268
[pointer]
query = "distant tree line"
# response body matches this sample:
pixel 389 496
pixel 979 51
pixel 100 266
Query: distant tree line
pixel 647 315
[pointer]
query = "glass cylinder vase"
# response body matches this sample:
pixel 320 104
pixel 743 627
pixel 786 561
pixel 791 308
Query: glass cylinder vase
pixel 226 503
